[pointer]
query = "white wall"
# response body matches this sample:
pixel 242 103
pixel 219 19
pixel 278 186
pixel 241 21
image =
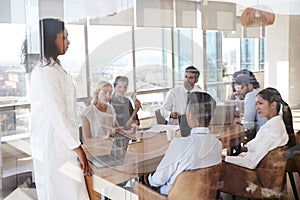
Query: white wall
pixel 277 55
pixel 294 57
pixel 283 58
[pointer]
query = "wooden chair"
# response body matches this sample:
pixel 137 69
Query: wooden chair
pixel 159 118
pixel 266 181
pixel 293 164
pixel 194 184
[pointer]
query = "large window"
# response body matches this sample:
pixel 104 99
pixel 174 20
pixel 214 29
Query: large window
pixel 225 55
pixel 183 56
pixel 12 74
pixel 121 39
pixel 243 53
pixel 213 64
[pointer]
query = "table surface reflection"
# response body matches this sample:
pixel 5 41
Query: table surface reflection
pixel 143 157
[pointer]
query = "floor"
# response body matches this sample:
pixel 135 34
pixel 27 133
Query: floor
pixel 30 193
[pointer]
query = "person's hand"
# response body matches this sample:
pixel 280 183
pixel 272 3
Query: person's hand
pixel 234 96
pixel 243 149
pixel 84 164
pixel 223 158
pixel 174 115
pixel 111 132
pixel 137 104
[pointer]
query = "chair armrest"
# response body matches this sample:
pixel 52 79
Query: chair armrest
pixel 144 192
pixel 235 179
pixel 293 151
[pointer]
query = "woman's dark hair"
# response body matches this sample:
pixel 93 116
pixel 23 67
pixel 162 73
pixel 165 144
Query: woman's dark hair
pixel 202 105
pixel 25 57
pixel 49 28
pixel 272 95
pixel 120 79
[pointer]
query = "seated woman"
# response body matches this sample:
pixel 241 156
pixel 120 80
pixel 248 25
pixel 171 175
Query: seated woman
pixel 99 119
pixel 199 150
pixel 126 114
pixel 272 134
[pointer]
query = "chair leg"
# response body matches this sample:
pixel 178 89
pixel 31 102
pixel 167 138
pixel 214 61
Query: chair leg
pixel 292 180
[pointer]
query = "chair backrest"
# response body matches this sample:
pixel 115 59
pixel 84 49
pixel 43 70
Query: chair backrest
pixel 293 156
pixel 159 118
pixel 297 137
pixel 271 169
pixel 146 193
pixel 293 162
pixel 196 184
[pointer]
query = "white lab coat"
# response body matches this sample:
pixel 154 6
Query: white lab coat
pixel 54 133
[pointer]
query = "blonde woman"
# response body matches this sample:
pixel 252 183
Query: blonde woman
pixel 99 119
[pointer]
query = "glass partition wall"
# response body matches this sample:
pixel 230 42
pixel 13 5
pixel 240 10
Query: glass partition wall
pixel 150 42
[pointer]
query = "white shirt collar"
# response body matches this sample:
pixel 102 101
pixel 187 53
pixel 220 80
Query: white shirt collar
pixel 200 130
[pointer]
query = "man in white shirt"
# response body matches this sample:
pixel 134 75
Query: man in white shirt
pixel 176 101
pixel 199 150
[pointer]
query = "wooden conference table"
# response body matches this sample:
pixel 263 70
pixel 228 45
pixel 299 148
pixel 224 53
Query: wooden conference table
pixel 142 158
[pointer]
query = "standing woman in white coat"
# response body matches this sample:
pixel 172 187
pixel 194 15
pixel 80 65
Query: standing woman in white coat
pixel 59 161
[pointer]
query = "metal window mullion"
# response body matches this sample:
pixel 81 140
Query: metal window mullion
pixel 87 61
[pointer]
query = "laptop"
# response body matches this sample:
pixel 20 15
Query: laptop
pixel 185 130
pixel 224 114
pixel 239 106
pixel 117 154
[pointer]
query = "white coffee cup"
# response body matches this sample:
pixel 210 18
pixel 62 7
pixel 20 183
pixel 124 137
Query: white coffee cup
pixel 135 131
pixel 170 134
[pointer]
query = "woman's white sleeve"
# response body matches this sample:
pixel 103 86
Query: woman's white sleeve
pixel 55 101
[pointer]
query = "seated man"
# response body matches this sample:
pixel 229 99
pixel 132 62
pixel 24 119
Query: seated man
pixel 199 150
pixel 245 88
pixel 237 87
pixel 176 101
pixel 248 85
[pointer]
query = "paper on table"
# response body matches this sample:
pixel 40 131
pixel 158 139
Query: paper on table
pixel 162 128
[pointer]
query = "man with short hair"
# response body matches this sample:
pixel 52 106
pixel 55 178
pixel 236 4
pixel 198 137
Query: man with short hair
pixel 177 98
pixel 236 87
pixel 198 150
pixel 252 121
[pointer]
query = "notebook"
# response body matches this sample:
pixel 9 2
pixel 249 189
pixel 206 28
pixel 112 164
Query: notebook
pixel 185 130
pixel 117 154
pixel 224 114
